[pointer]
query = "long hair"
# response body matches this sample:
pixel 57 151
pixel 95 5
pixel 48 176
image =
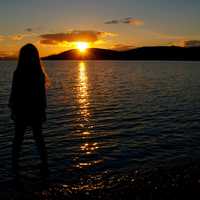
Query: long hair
pixel 29 63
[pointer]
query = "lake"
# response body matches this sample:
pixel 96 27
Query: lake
pixel 109 117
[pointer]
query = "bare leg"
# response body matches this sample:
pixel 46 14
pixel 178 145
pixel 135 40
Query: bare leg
pixel 17 142
pixel 37 133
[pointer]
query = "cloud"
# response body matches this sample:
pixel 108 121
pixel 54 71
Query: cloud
pixel 12 37
pixel 112 22
pixel 107 34
pixel 17 37
pixel 5 54
pixel 73 36
pixel 122 47
pixel 127 20
pixel 21 36
pixel 192 43
pixel 28 29
pixel 132 21
pixel 177 40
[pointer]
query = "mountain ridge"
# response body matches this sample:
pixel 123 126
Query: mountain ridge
pixel 141 53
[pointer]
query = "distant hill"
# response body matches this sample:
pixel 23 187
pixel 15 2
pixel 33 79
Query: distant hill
pixel 8 58
pixel 91 54
pixel 143 53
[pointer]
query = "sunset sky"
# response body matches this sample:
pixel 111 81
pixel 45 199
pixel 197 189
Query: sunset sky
pixel 56 25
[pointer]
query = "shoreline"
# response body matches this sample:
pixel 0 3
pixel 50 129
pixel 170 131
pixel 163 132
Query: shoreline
pixel 176 182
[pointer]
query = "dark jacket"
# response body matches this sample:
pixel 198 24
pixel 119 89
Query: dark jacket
pixel 28 98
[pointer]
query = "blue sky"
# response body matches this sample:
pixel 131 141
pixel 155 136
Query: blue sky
pixel 164 22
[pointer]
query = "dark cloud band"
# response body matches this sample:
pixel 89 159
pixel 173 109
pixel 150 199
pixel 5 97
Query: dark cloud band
pixel 73 36
pixel 192 43
pixel 127 20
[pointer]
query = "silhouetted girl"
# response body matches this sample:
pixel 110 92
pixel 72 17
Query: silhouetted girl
pixel 28 102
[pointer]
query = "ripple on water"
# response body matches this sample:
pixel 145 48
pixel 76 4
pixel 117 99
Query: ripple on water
pixel 109 117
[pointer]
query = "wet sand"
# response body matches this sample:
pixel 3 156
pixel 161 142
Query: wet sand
pixel 174 182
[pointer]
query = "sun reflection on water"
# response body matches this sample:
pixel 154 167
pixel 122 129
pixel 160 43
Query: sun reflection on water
pixel 87 147
pixel 83 92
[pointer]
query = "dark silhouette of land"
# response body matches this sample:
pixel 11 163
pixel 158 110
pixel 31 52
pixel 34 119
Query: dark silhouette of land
pixel 143 53
pixel 91 54
pixel 8 58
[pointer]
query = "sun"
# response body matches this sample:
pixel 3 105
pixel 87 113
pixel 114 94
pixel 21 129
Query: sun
pixel 82 46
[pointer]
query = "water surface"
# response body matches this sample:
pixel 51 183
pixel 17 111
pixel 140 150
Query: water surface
pixel 109 117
